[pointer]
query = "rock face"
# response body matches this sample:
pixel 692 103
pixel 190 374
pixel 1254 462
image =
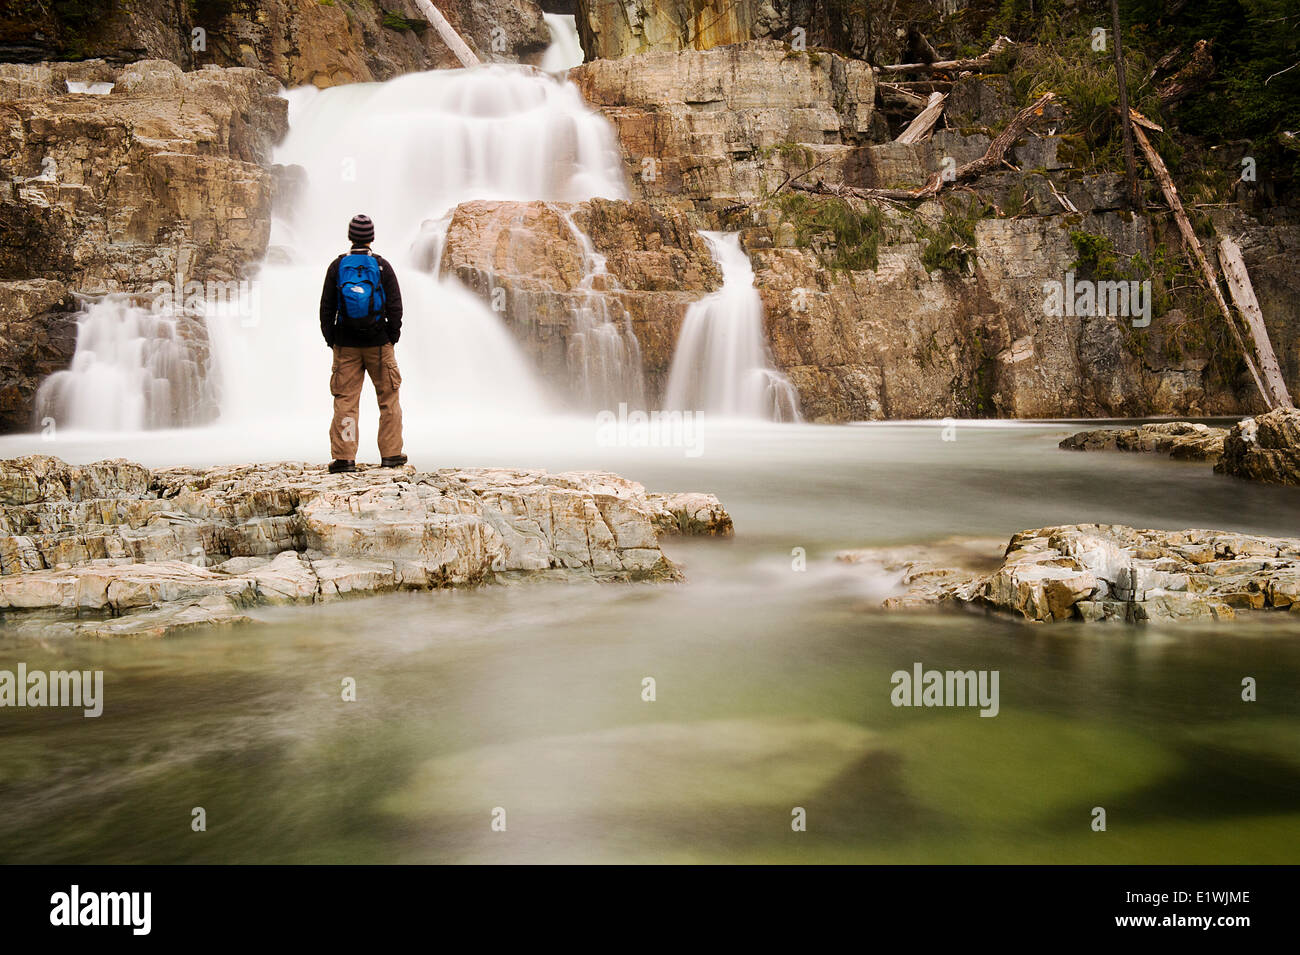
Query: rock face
pixel 1266 448
pixel 654 266
pixel 1102 572
pixel 38 335
pixel 1181 440
pixel 145 552
pixel 325 42
pixel 726 135
pixel 727 125
pixel 614 28
pixel 168 174
pixel 894 341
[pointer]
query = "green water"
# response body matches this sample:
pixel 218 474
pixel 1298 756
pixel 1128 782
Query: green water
pixel 772 692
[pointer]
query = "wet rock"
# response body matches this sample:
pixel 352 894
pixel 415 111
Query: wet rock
pixel 690 514
pixel 1182 440
pixel 526 261
pixel 1265 448
pixel 1102 572
pixel 180 545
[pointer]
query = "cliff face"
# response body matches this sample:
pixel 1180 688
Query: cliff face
pixel 730 124
pixel 325 42
pixel 615 28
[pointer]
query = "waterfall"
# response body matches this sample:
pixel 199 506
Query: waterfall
pixel 565 51
pixel 134 368
pixel 721 365
pixel 604 354
pixel 406 153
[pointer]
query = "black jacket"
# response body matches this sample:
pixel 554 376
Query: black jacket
pixel 388 332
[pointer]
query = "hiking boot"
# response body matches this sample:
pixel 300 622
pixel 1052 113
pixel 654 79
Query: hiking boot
pixel 337 466
pixel 394 462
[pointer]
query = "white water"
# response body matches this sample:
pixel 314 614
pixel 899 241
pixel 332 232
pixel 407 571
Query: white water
pixel 604 354
pixel 721 365
pixel 565 51
pixel 134 368
pixel 406 153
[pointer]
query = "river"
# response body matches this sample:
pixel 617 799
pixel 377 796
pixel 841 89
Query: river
pixel 523 703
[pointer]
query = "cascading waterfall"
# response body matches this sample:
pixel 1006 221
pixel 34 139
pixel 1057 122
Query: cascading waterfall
pixel 406 153
pixel 603 351
pixel 565 51
pixel 135 367
pixel 721 365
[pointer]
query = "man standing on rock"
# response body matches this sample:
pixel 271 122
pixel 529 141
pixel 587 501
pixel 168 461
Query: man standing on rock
pixel 361 319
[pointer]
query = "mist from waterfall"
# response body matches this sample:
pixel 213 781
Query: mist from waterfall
pixel 721 365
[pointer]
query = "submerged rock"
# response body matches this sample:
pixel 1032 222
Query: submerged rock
pixel 708 766
pixel 1099 572
pixel 1181 440
pixel 1265 448
pixel 170 548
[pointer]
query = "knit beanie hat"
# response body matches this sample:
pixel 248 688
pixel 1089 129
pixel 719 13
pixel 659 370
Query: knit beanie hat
pixel 361 231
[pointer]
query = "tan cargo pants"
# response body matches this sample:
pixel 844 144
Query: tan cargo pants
pixel 351 365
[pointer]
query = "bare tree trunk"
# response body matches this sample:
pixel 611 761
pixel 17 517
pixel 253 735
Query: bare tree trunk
pixel 448 34
pixel 1130 164
pixel 1194 246
pixel 919 128
pixel 981 62
pixel 1243 296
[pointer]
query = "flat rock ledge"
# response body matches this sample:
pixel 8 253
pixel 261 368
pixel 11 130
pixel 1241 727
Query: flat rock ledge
pixel 1099 572
pixel 115 549
pixel 1182 440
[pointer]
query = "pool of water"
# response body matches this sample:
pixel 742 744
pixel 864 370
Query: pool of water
pixel 523 703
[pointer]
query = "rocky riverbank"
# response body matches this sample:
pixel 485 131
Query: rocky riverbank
pixel 1265 448
pixel 1099 572
pixel 1181 440
pixel 114 549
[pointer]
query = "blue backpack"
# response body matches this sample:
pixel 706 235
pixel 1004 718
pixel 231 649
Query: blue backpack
pixel 361 293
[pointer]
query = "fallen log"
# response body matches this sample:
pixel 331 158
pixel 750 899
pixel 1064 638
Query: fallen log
pixel 448 33
pixel 920 128
pixel 1243 296
pixel 1193 245
pixel 893 95
pixel 972 64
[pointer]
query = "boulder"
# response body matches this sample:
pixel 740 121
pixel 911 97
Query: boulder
pixel 1264 448
pixel 1182 440
pixel 1099 572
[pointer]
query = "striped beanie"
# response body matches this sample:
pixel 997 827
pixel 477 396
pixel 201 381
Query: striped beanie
pixel 361 231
